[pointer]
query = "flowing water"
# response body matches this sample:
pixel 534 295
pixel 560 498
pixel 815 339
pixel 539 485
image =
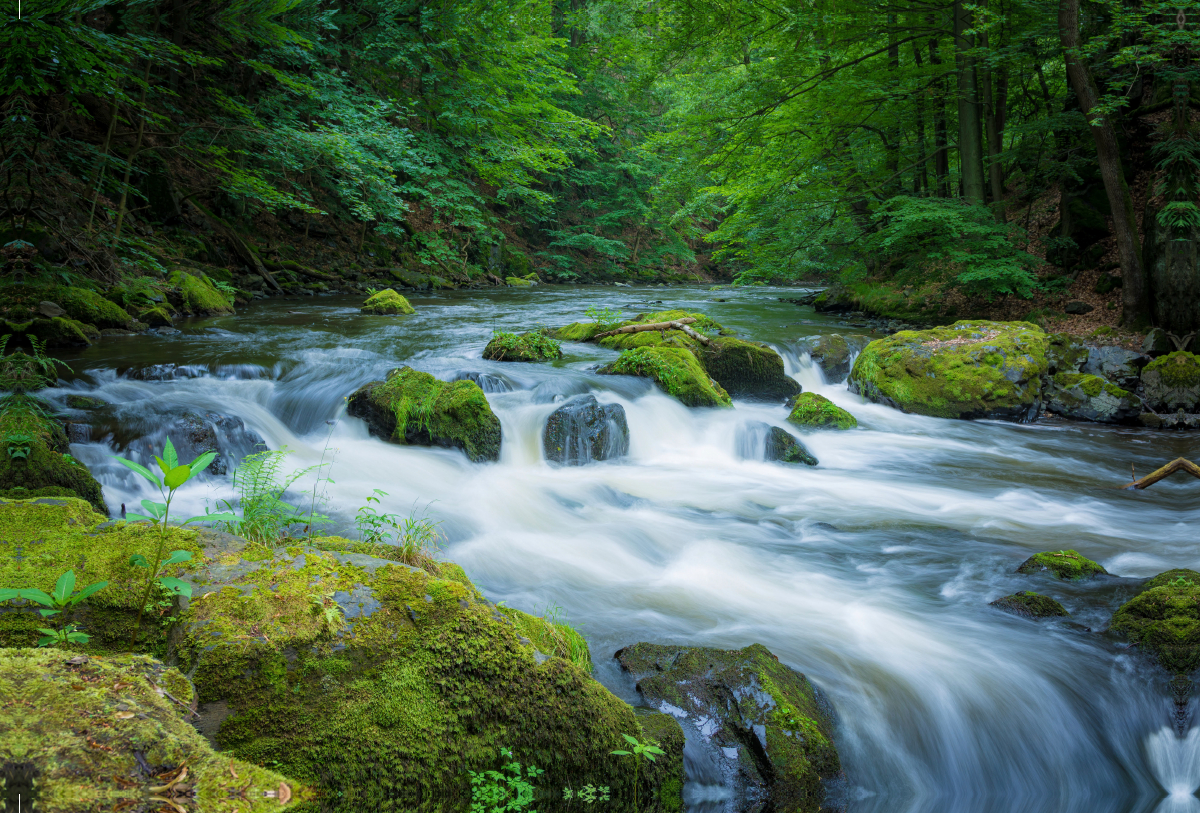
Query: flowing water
pixel 871 573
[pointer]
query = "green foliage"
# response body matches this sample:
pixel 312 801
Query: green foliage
pixel 532 346
pixel 416 537
pixel 63 599
pixel 642 751
pixel 606 318
pixel 507 790
pixel 588 794
pixel 261 483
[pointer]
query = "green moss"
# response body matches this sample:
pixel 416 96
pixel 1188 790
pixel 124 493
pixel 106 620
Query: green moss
pixel 518 282
pixel 551 637
pixel 1164 620
pixel 968 370
pixel 56 332
pixel 1065 564
pixel 1090 385
pixel 84 767
pixel 1178 370
pixel 85 402
pixel 32 462
pixel 576 332
pixel 533 346
pixel 1030 605
pixel 811 410
pixel 413 407
pixel 156 317
pixel 90 307
pixel 198 295
pixel 675 370
pixel 387 303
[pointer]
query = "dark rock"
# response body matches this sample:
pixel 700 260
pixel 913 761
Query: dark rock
pixel 833 353
pixel 761 723
pixel 1090 398
pixel 1164 620
pixel 1077 306
pixel 1171 420
pixel 1030 605
pixel 1107 283
pixel 486 381
pixel 1157 342
pixel 747 369
pixel 776 444
pixel 1119 365
pixel 50 309
pixel 583 430
pixel 227 436
pixel 84 402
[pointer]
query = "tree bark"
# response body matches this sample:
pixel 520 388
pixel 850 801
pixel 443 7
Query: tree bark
pixel 941 152
pixel 1178 464
pixel 1108 154
pixel 970 143
pixel 921 173
pixel 993 124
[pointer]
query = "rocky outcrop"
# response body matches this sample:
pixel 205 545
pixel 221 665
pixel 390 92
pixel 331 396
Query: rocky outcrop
pixel 746 369
pixel 968 370
pixel 1117 364
pixel 1029 604
pixel 1090 398
pixel 1064 564
pixel 387 303
pixel 1172 382
pixel 833 353
pixel 760 721
pixel 813 411
pixel 675 370
pixel 412 407
pixel 583 430
pixel 1164 620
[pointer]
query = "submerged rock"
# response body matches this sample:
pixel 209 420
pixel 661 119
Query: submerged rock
pixel 832 353
pixel 583 430
pixel 412 407
pixel 675 370
pixel 1172 382
pixel 782 446
pixel 532 346
pixel 760 721
pixel 1065 564
pixel 1030 605
pixel 813 411
pixel 1090 398
pixel 387 303
pixel 1164 620
pixel 972 369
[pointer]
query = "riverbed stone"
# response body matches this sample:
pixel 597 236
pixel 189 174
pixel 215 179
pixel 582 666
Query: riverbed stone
pixel 972 369
pixel 746 369
pixel 833 353
pixel 759 720
pixel 387 303
pixel 784 447
pixel 1029 604
pixel 1090 398
pixel 1172 382
pixel 532 346
pixel 813 411
pixel 1164 620
pixel 1119 365
pixel 412 407
pixel 583 430
pixel 1069 565
pixel 676 371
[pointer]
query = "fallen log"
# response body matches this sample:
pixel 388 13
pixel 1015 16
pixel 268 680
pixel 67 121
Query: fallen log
pixel 677 324
pixel 1178 464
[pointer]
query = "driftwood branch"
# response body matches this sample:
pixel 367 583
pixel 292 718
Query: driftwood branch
pixel 1178 464
pixel 678 324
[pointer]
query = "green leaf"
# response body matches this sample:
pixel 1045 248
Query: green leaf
pixel 648 754
pixel 177 477
pixel 140 469
pixel 37 596
pixel 172 459
pixel 621 753
pixel 139 518
pixel 155 509
pixel 174 585
pixel 64 587
pixel 221 517
pixel 48 613
pixel 90 590
pixel 630 740
pixel 176 557
pixel 201 463
pixel 137 560
pixel 162 465
pixel 8 594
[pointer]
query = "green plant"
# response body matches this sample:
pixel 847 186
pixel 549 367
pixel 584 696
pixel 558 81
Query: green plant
pixel 587 794
pixel 529 346
pixel 504 791
pixel 642 751
pixel 372 291
pixel 416 537
pixel 607 318
pixel 63 598
pixel 260 484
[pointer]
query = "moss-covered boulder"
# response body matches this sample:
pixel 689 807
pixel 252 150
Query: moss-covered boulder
pixel 1172 382
pixel 90 307
pixel 746 369
pixel 85 734
pixel 577 331
pixel 1063 564
pixel 972 369
pixel 675 370
pixel 412 407
pixel 759 721
pixel 833 353
pixel 1090 398
pixel 1029 604
pixel 783 447
pixel 813 411
pixel 56 332
pixel 196 294
pixel 519 282
pixel 532 346
pixel 387 303
pixel 1164 620
pixel 33 455
pixel 662 338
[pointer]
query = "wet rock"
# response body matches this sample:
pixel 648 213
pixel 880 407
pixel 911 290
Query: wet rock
pixel 387 303
pixel 784 447
pixel 532 346
pixel 813 411
pixel 1119 365
pixel 746 369
pixel 833 353
pixel 1090 398
pixel 1029 604
pixel 486 381
pixel 50 309
pixel 972 369
pixel 85 402
pixel 412 407
pixel 1172 382
pixel 675 370
pixel 1064 564
pixel 583 430
pixel 1164 620
pixel 198 432
pixel 1078 306
pixel 759 721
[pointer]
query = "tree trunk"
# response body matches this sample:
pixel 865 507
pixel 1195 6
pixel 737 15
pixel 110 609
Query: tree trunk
pixel 941 151
pixel 970 143
pixel 994 128
pixel 1108 155
pixel 892 147
pixel 921 173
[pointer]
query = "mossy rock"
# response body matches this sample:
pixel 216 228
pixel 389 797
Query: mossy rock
pixel 972 369
pixel 532 346
pixel 1065 353
pixel 832 353
pixel 1064 564
pixel 1172 382
pixel 56 333
pixel 519 282
pixel 1090 398
pixel 760 722
pixel 576 332
pixel 1164 620
pixel 813 411
pixel 783 447
pixel 1029 604
pixel 412 407
pixel 90 307
pixel 32 456
pixel 85 402
pixel 156 317
pixel 387 303
pixel 67 767
pixel 675 370
pixel 197 295
pixel 747 369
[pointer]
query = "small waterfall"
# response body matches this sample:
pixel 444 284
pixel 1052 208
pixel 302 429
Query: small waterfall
pixel 1175 762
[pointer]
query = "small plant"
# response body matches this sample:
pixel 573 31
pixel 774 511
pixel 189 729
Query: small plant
pixel 372 291
pixel 63 598
pixel 417 537
pixel 641 751
pixel 261 484
pixel 607 318
pixel 507 790
pixel 225 288
pixel 587 794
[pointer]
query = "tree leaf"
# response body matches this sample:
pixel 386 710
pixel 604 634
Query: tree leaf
pixel 174 585
pixel 177 477
pixel 176 557
pixel 140 469
pixel 64 587
pixel 172 459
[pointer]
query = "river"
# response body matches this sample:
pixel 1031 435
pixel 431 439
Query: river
pixel 871 573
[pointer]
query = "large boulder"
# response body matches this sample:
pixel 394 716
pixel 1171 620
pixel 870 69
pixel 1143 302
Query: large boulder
pixel 675 370
pixel 760 721
pixel 195 293
pixel 1068 565
pixel 387 303
pixel 813 411
pixel 532 346
pixel 583 430
pixel 1090 398
pixel 1029 604
pixel 833 353
pixel 80 734
pixel 972 369
pixel 1119 365
pixel 89 307
pixel 746 369
pixel 412 407
pixel 1172 382
pixel 1164 620
pixel 372 673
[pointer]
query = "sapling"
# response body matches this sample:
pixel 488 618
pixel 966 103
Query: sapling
pixel 63 598
pixel 641 751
